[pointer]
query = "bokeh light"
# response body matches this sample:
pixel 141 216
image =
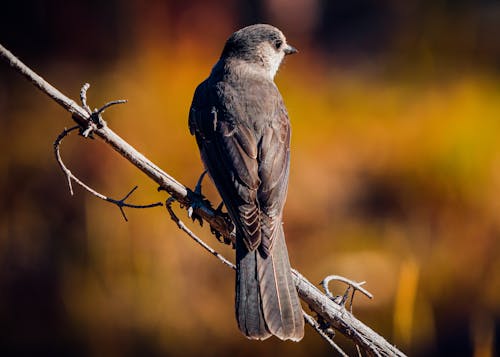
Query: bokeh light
pixel 395 174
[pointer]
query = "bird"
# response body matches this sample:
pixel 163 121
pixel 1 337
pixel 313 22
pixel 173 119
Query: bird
pixel 242 129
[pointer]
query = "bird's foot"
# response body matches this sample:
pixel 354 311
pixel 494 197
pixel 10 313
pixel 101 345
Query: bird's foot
pixel 221 238
pixel 197 200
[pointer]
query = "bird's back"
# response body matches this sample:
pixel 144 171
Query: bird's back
pixel 243 132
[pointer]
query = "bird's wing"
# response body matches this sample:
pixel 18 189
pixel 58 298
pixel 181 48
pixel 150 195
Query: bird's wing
pixel 229 150
pixel 274 163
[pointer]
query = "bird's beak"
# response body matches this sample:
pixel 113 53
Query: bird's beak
pixel 290 50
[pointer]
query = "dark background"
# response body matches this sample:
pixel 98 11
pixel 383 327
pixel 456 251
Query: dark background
pixel 395 174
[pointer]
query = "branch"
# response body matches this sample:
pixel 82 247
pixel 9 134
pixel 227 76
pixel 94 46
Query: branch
pixel 82 118
pixel 70 177
pixel 193 236
pixel 328 337
pixel 336 315
pixel 352 286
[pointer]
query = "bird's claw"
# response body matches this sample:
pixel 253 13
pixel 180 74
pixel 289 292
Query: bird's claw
pixel 197 188
pixel 197 200
pixel 219 207
pixel 216 233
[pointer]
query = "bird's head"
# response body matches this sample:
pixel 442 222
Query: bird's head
pixel 260 46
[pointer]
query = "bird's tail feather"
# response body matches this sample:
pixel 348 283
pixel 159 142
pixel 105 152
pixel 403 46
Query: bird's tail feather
pixel 248 305
pixel 266 299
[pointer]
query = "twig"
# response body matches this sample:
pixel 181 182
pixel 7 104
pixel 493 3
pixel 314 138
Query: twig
pixel 184 228
pixel 95 118
pixel 71 177
pixel 355 286
pixel 315 325
pixel 336 315
pixel 83 97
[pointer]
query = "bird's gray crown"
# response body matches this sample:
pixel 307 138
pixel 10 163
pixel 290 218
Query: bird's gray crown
pixel 244 44
pixel 260 47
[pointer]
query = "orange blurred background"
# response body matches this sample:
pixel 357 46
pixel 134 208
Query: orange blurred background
pixel 395 174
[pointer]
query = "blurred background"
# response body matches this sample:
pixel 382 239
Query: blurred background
pixel 395 174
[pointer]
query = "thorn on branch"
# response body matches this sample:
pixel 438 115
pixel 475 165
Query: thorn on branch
pixel 95 119
pixel 109 104
pixel 351 286
pixel 83 97
pixel 71 177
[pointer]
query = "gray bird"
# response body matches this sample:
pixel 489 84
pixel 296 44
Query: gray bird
pixel 243 132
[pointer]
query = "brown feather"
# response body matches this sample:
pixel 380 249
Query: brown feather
pixel 243 132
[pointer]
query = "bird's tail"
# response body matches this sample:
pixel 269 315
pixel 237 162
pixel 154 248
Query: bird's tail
pixel 266 299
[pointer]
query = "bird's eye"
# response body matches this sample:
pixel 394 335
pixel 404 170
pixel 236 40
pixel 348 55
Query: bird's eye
pixel 278 44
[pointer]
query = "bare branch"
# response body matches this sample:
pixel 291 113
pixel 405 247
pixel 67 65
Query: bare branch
pixel 95 119
pixel 71 177
pixel 184 228
pixel 355 285
pixel 109 104
pixel 342 320
pixel 315 325
pixel 337 316
pixel 83 97
pixel 351 286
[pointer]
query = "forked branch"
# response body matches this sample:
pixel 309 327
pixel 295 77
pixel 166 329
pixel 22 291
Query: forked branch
pixel 70 177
